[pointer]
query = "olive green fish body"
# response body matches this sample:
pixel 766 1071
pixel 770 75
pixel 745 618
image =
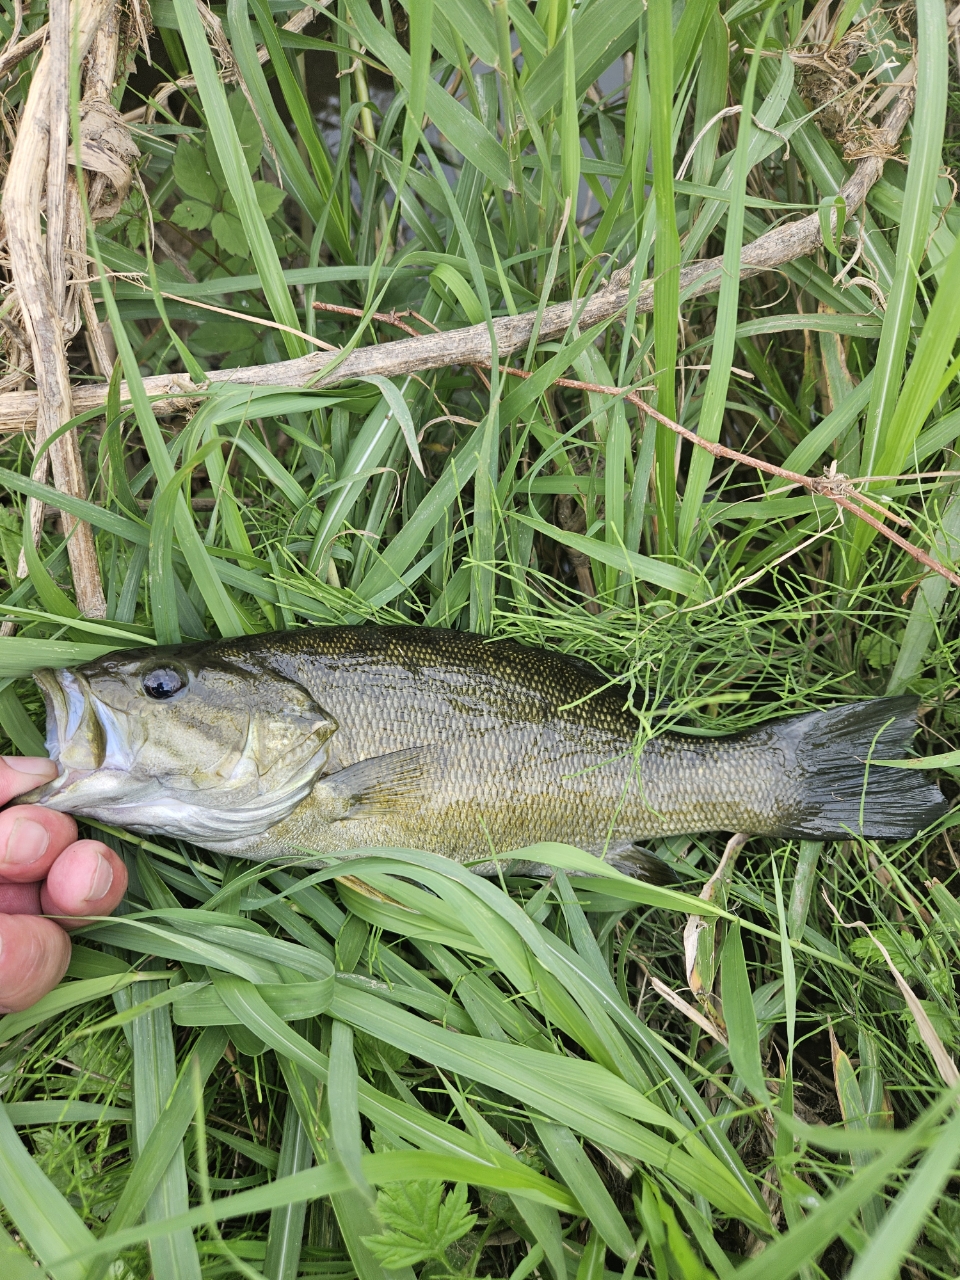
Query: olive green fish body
pixel 340 738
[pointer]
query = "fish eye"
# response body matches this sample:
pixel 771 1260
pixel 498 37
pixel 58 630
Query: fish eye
pixel 162 683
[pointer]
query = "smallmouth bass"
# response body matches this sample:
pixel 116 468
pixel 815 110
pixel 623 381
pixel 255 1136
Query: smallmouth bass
pixel 329 739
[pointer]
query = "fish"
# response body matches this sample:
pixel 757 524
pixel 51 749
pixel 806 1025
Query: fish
pixel 323 741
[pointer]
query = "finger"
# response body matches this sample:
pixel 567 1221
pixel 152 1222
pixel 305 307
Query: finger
pixel 31 840
pixel 19 899
pixel 87 879
pixel 34 954
pixel 22 773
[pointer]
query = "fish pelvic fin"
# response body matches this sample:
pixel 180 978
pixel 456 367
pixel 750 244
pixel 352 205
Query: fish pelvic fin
pixel 842 790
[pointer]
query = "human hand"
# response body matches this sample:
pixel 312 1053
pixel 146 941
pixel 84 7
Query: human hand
pixel 44 868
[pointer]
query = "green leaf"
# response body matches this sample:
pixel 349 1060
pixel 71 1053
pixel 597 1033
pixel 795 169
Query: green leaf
pixel 269 197
pixel 216 336
pixel 193 175
pixel 740 1016
pixel 420 1222
pixel 229 234
pixel 229 129
pixel 192 214
pixel 248 135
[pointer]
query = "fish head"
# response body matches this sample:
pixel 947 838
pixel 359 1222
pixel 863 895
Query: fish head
pixel 178 742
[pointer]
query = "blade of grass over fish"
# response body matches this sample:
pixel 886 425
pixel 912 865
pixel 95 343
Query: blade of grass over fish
pixel 666 295
pixel 239 181
pixel 925 159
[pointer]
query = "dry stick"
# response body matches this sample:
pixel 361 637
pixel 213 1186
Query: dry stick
pixel 827 486
pixel 58 114
pixel 14 54
pixel 98 84
pixel 41 318
pixel 471 345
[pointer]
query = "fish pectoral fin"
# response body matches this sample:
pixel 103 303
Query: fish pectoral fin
pixel 380 784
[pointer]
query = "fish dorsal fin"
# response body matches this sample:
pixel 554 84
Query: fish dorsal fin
pixel 376 785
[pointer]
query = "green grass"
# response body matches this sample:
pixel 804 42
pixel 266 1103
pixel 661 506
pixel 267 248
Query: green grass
pixel 259 1071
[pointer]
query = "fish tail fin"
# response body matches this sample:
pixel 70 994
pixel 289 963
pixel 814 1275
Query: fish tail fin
pixel 843 791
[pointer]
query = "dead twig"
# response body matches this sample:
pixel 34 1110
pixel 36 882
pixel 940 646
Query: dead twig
pixel 819 485
pixel 14 54
pixel 838 488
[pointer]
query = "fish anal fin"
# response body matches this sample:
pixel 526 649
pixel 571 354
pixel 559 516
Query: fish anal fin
pixel 379 784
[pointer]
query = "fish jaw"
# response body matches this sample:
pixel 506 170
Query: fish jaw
pixel 84 742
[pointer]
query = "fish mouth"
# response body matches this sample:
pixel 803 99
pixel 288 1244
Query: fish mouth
pixel 77 741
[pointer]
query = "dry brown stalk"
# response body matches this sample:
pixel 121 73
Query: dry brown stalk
pixel 826 486
pixel 830 485
pixel 36 152
pixel 14 54
pixel 471 345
